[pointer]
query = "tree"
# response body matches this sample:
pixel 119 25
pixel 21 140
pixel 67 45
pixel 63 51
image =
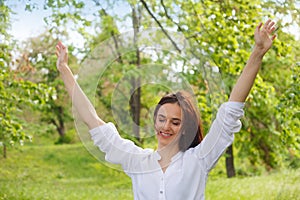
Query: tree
pixel 15 91
pixel 39 53
pixel 219 35
pixel 205 24
pixel 40 56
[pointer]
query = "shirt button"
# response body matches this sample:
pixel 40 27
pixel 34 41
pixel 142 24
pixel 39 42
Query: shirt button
pixel 161 192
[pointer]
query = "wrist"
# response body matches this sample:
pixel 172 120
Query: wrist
pixel 62 68
pixel 65 71
pixel 259 52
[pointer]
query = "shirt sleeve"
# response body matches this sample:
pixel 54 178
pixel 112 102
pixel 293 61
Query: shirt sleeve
pixel 117 150
pixel 221 133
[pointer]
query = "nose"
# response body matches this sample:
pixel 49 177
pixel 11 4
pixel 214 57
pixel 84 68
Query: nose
pixel 166 126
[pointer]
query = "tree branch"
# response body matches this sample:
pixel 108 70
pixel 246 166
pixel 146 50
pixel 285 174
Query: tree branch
pixel 120 60
pixel 159 24
pixel 194 36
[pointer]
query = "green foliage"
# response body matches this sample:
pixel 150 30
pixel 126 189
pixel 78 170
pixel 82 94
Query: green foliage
pixel 223 33
pixel 220 37
pixel 68 138
pixel 288 113
pixel 274 132
pixel 39 54
pixel 15 93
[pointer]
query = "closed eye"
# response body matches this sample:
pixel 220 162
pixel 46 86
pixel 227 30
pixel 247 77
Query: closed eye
pixel 176 123
pixel 161 120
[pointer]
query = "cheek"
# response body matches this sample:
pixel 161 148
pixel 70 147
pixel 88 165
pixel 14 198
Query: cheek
pixel 177 129
pixel 157 125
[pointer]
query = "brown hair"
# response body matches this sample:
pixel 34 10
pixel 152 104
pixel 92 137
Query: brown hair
pixel 191 129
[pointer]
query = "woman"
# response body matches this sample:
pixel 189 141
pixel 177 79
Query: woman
pixel 178 169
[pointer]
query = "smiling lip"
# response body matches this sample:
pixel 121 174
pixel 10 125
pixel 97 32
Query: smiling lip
pixel 165 135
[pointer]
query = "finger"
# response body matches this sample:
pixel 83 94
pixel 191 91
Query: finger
pixel 57 51
pixel 63 46
pixel 267 23
pixel 272 29
pixel 271 25
pixel 273 37
pixel 258 27
pixel 59 43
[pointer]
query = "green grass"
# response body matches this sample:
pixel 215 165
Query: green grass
pixel 59 172
pixel 284 185
pixel 69 172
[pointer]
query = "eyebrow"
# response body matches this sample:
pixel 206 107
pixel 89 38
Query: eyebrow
pixel 174 118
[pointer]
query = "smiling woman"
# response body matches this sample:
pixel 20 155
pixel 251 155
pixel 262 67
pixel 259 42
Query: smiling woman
pixel 170 114
pixel 178 169
pixel 167 124
pixel 172 111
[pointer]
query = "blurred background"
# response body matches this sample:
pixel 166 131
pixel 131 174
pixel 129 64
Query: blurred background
pixel 206 43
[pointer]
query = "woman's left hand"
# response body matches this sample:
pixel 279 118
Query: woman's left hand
pixel 62 56
pixel 263 36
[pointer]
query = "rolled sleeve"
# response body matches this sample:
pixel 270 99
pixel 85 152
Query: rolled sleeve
pixel 221 133
pixel 117 149
pixel 230 115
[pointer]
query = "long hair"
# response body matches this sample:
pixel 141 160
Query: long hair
pixel 191 128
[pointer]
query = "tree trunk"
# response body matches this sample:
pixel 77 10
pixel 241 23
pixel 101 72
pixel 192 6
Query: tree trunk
pixel 266 155
pixel 135 100
pixel 60 125
pixel 4 151
pixel 135 107
pixel 61 131
pixel 230 162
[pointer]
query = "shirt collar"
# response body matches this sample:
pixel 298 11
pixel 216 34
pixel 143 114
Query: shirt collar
pixel 175 157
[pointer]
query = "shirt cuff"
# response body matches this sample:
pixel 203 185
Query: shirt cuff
pixel 100 129
pixel 235 104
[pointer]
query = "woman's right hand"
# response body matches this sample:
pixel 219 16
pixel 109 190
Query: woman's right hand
pixel 62 56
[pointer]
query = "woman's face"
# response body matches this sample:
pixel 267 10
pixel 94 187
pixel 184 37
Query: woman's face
pixel 167 124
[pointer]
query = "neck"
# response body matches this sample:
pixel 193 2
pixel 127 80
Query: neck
pixel 168 152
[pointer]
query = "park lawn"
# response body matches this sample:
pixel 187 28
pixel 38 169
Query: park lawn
pixel 69 172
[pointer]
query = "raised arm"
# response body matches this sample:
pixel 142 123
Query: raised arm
pixel 263 42
pixel 80 101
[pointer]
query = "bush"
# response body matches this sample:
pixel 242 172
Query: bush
pixel 68 138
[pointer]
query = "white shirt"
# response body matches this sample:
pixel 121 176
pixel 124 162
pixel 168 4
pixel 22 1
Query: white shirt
pixel 185 178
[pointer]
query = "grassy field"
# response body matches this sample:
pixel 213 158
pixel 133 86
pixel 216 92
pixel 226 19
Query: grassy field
pixel 69 172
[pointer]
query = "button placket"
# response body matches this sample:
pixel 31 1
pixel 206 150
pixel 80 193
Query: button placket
pixel 162 188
